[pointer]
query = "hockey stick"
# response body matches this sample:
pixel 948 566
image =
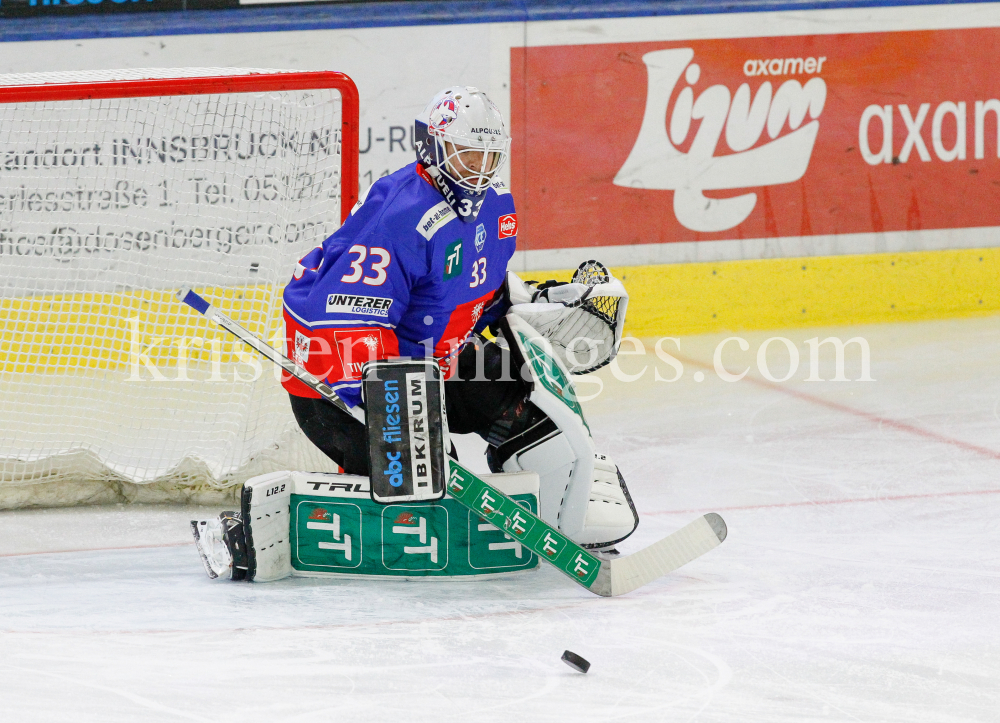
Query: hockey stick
pixel 607 578
pixel 199 304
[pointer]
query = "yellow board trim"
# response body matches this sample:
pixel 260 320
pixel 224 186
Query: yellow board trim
pixel 699 298
pixel 46 334
pixel 69 332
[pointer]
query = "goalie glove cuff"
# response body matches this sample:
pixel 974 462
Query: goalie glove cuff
pixel 518 291
pixel 569 294
pixel 560 292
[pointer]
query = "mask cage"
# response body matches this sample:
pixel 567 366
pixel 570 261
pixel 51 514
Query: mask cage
pixel 475 181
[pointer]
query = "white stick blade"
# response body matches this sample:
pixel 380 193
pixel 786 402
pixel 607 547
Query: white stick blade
pixel 690 542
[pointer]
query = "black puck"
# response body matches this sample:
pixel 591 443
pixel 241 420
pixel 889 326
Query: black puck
pixel 574 661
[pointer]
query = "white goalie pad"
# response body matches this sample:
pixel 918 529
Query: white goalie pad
pixel 264 503
pixel 611 516
pixel 580 492
pixel 552 392
pixel 584 327
pixel 554 461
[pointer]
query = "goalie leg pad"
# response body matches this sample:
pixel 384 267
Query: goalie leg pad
pixel 337 529
pixel 251 544
pixel 542 449
pixel 265 510
pixel 611 516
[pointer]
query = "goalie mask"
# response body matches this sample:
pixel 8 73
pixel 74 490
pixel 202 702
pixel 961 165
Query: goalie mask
pixel 461 141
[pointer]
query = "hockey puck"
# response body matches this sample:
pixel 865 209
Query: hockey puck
pixel 574 661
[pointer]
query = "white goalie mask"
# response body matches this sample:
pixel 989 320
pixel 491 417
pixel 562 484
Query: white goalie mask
pixel 461 135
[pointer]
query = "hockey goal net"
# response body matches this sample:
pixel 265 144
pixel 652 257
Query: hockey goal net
pixel 117 188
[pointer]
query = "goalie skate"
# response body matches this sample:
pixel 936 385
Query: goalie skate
pixel 221 544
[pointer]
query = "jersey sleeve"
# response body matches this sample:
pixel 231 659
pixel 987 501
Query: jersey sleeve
pixel 342 307
pixel 495 309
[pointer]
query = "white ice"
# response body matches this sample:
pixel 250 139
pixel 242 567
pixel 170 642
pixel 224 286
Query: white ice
pixel 860 580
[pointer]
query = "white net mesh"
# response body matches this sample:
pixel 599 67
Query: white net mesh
pixel 110 389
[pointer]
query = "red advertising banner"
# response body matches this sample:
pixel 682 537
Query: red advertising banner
pixel 659 142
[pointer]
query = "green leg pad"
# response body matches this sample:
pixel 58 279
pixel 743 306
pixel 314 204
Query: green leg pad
pixel 337 532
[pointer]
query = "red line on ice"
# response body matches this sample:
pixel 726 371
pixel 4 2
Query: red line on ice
pixel 888 498
pixel 326 626
pixel 886 421
pixel 95 549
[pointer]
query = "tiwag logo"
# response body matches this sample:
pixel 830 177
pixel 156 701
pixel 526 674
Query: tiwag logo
pixel 656 163
pixel 355 348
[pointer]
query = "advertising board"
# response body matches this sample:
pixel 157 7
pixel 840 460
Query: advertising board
pixel 661 135
pixel 739 138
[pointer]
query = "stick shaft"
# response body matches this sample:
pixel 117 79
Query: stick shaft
pixel 204 308
pixel 485 500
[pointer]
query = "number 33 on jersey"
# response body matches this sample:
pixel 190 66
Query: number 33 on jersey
pixel 405 274
pixel 377 267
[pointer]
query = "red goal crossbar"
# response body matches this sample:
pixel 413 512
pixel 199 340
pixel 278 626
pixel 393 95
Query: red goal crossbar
pixel 206 85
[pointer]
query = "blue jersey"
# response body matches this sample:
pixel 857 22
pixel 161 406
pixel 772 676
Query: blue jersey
pixel 404 276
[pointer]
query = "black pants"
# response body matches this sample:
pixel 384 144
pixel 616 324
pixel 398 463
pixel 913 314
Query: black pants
pixel 484 388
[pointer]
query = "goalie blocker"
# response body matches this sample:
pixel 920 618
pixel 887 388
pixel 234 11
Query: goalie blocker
pixel 407 430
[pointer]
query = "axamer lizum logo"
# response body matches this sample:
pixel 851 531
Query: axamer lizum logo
pixel 782 136
pixel 656 163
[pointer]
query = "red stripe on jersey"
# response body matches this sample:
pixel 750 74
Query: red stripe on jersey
pixel 422 172
pixel 334 354
pixel 460 324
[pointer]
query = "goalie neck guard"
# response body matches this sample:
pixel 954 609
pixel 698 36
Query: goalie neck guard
pixel 462 143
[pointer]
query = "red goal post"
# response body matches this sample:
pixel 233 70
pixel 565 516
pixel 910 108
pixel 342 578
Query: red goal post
pixel 116 188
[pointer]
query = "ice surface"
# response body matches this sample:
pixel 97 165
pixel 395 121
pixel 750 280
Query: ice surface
pixel 860 580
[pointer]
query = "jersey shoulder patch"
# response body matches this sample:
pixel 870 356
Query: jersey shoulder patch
pixel 499 186
pixel 435 218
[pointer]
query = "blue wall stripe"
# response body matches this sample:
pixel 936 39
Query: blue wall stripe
pixel 254 19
